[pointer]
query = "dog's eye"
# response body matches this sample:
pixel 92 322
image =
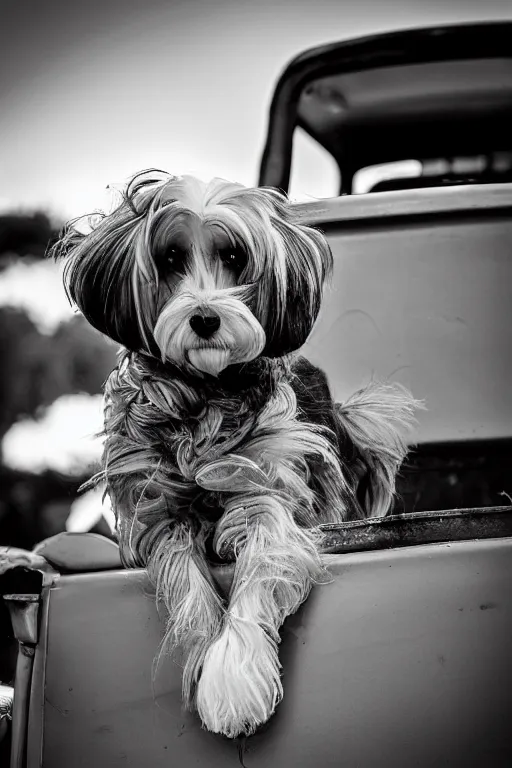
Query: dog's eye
pixel 174 255
pixel 234 258
pixel 171 258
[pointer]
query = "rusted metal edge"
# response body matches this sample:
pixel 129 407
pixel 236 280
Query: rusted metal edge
pixel 418 528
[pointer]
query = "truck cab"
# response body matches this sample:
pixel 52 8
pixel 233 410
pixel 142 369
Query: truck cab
pixel 438 99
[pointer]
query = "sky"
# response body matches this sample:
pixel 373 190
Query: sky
pixel 92 92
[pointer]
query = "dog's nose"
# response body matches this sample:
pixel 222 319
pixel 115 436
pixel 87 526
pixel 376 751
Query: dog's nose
pixel 205 325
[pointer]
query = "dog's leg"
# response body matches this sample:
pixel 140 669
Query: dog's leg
pixel 151 497
pixel 276 564
pixel 174 556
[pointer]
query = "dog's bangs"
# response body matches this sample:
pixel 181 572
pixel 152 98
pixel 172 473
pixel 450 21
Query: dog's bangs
pixel 146 188
pixel 164 225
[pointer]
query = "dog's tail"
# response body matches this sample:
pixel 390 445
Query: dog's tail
pixel 377 420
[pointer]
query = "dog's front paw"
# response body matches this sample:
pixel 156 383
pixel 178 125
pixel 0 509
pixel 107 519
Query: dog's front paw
pixel 240 684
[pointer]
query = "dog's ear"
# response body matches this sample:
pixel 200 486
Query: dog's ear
pixel 102 276
pixel 302 265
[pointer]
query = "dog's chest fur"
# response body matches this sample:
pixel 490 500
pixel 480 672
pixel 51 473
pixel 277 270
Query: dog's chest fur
pixel 202 443
pixel 245 414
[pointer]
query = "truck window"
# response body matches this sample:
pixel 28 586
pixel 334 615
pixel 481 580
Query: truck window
pixel 314 173
pixel 366 178
pixel 490 168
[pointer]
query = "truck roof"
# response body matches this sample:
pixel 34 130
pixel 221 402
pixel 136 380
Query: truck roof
pixel 396 96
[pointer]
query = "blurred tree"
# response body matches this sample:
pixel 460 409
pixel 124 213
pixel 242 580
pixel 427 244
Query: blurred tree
pixel 25 234
pixel 89 356
pixel 33 507
pixel 36 369
pixel 23 355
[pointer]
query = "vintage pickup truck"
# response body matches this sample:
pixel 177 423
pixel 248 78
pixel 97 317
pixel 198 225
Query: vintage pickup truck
pixel 404 659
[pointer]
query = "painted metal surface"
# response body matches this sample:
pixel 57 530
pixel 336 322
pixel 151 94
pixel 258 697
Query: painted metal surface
pixel 423 298
pixel 403 660
pixel 461 201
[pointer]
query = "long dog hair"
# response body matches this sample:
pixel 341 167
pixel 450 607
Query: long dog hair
pixel 221 443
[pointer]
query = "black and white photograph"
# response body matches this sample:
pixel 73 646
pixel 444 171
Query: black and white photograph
pixel 255 384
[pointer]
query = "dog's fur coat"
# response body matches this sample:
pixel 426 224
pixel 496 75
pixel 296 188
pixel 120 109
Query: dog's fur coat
pixel 222 444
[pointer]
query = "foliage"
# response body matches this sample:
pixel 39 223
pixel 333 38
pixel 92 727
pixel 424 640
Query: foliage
pixel 25 234
pixel 36 369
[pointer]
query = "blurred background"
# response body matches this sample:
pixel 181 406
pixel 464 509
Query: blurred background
pixel 91 93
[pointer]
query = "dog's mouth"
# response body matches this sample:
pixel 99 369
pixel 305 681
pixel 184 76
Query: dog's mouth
pixel 210 360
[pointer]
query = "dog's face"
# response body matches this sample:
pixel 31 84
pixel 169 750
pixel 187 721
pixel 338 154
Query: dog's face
pixel 201 275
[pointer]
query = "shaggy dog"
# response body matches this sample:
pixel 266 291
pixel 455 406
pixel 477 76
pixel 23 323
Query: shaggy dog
pixel 222 444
